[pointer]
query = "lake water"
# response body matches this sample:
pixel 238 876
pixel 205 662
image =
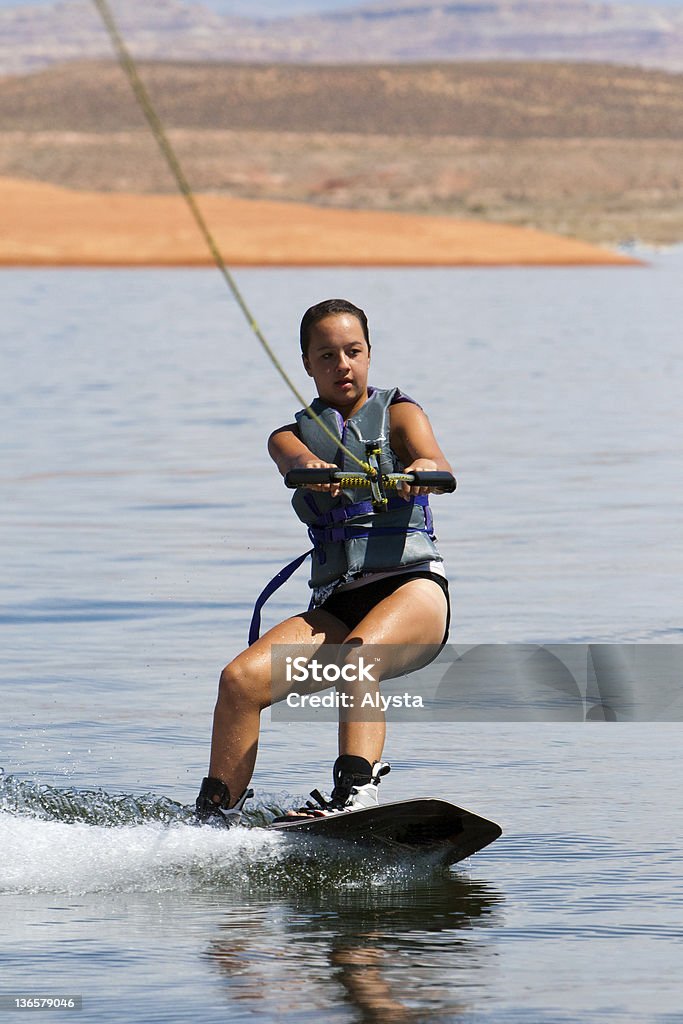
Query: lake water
pixel 140 518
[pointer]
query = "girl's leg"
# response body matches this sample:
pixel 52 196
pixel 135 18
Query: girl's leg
pixel 245 689
pixel 413 621
pixel 413 616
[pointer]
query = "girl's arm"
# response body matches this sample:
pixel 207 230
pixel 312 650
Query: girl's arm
pixel 288 451
pixel 412 438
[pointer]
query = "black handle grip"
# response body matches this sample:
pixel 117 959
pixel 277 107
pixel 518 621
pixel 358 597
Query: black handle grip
pixel 434 478
pixel 302 477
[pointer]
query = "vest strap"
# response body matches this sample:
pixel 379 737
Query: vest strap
pixel 336 526
pixel 277 581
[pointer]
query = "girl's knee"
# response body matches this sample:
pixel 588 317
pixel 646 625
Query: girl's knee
pixel 231 684
pixel 239 685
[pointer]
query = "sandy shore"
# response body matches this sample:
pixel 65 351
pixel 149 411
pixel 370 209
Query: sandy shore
pixel 44 225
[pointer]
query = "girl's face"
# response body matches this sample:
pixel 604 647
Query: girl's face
pixel 338 360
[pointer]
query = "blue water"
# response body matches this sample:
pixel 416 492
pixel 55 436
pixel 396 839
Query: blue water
pixel 141 515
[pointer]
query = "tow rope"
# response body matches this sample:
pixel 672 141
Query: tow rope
pixel 159 132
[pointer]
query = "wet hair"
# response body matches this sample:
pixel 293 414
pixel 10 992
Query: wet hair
pixel 330 307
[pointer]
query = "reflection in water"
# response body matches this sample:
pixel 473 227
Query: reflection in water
pixel 393 952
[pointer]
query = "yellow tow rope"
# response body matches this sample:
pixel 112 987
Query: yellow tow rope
pixel 143 98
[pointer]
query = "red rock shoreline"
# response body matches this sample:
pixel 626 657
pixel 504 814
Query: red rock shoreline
pixel 46 225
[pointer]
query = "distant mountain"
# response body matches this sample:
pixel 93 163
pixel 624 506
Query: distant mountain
pixel 32 37
pixel 496 100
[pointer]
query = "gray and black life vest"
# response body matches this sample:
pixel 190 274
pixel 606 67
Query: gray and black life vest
pixel 349 536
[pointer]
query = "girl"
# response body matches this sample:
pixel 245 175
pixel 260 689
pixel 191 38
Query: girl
pixel 377 578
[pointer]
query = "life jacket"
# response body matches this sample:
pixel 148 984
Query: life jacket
pixel 349 535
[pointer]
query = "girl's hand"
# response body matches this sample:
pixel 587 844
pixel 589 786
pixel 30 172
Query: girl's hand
pixel 334 489
pixel 405 490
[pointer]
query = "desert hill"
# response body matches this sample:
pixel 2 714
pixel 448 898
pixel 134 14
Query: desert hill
pixel 489 99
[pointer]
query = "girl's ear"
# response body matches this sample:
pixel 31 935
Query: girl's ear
pixel 307 365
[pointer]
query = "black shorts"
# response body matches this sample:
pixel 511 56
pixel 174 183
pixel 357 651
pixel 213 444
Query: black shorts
pixel 351 606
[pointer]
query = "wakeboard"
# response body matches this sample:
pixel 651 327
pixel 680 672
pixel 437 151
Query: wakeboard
pixel 435 827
